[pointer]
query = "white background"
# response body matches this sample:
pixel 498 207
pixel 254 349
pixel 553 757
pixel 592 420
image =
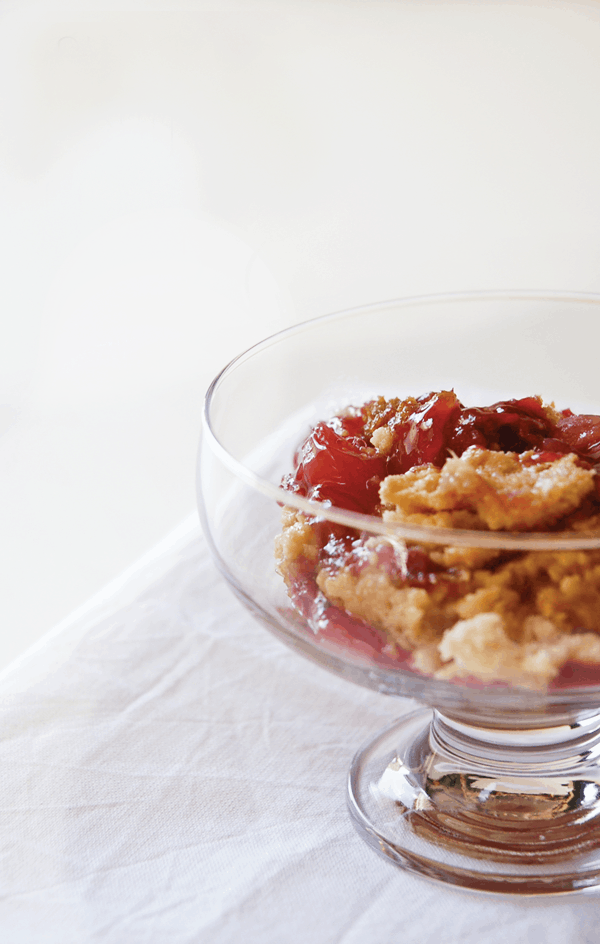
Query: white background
pixel 179 180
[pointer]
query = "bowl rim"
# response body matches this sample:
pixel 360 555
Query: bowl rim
pixel 396 533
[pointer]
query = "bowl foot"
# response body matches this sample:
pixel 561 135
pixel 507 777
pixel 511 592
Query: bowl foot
pixel 493 810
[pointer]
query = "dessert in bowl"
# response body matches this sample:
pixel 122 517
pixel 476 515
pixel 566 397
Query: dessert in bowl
pixel 492 614
pixel 420 544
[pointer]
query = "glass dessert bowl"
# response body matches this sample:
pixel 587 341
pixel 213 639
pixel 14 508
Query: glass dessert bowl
pixel 494 783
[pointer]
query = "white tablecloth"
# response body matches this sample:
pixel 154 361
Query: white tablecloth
pixel 170 772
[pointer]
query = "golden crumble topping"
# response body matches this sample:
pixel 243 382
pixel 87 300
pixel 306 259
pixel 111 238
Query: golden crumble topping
pixel 494 490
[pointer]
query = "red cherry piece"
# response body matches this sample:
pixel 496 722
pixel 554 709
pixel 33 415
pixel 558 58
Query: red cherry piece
pixel 582 434
pixel 340 469
pixel 422 438
pixel 507 426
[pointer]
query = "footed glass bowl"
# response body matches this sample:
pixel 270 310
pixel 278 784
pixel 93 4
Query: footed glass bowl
pixel 489 786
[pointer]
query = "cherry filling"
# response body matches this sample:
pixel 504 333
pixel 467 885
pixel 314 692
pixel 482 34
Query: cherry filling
pixel 424 436
pixel 338 464
pixel 581 434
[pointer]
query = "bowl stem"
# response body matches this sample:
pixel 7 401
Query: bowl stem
pixel 493 809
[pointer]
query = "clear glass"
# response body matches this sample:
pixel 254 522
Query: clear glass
pixel 492 787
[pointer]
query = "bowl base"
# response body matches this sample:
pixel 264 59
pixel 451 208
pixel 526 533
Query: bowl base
pixel 493 810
